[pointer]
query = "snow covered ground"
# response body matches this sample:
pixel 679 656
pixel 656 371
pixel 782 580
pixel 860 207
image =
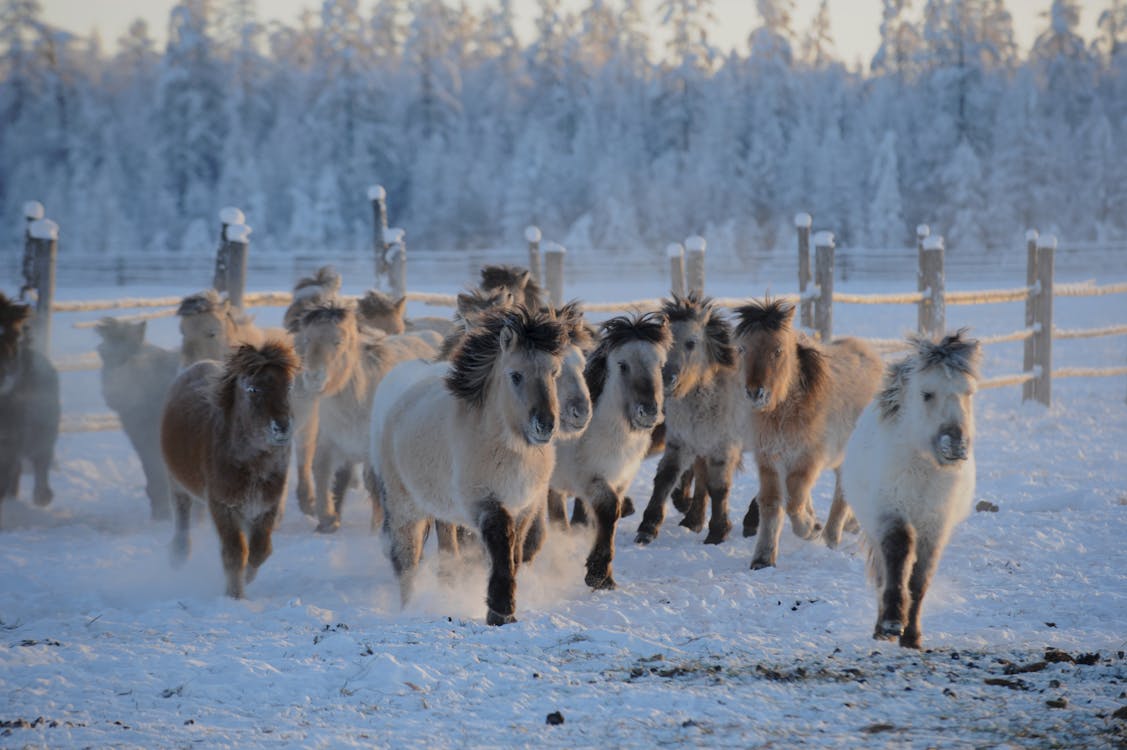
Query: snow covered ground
pixel 103 644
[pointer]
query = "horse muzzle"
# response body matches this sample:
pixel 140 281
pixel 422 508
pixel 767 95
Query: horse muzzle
pixel 644 416
pixel 760 397
pixel 951 448
pixel 313 382
pixel 280 434
pixel 576 416
pixel 539 431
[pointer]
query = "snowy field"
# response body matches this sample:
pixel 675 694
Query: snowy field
pixel 103 644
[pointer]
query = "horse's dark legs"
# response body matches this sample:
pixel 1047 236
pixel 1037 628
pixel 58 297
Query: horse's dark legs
pixel 751 518
pixel 682 492
pixel 927 558
pixel 372 487
pixel 897 555
pixel 498 532
pixel 694 516
pixel 182 517
pixel 328 519
pixel 800 508
pixel 342 478
pixel 533 527
pixel 668 471
pixel 770 517
pixel 720 472
pixel 260 545
pixel 557 509
pixel 605 502
pixel 306 415
pixel 839 514
pixel 9 471
pixel 579 515
pixel 233 547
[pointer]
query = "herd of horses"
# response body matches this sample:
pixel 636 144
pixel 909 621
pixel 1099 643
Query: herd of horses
pixel 481 427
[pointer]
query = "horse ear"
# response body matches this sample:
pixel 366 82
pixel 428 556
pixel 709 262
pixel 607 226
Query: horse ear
pixel 508 338
pixel 400 306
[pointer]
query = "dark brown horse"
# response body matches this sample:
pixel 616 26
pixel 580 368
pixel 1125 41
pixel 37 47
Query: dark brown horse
pixel 29 405
pixel 225 435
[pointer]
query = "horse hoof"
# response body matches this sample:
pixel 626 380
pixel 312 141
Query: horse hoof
pixel 718 534
pixel 644 537
pixel 831 540
pixel 308 505
pixel 692 524
pixel 681 503
pixel 178 554
pixel 601 583
pixel 888 630
pixel 853 526
pixel 760 564
pixel 328 526
pixel 43 497
pixel 496 618
pixel 627 508
pixel 750 529
pixel 910 639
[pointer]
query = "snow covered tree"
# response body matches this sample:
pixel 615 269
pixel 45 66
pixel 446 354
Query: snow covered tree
pixel 887 227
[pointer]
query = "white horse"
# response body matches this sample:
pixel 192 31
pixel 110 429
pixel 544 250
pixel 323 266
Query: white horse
pixel 909 474
pixel 474 448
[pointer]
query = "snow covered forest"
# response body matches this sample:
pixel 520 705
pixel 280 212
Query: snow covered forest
pixel 604 137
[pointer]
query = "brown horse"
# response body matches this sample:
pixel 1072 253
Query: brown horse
pixel 515 280
pixel 135 380
pixel 805 398
pixel 225 435
pixel 29 405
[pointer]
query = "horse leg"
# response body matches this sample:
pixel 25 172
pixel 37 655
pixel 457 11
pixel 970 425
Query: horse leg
pixel 579 514
pixel 897 551
pixel 41 465
pixel 840 513
pixel 406 549
pixel 720 472
pixel 260 544
pixel 328 520
pixel 233 547
pixel 305 448
pixel 800 480
pixel 770 517
pixel 156 482
pixel 342 479
pixel 372 487
pixel 682 492
pixel 694 516
pixel 533 529
pixel 600 572
pixel 668 471
pixel 182 516
pixel 626 507
pixel 751 518
pixel 927 557
pixel 557 509
pixel 498 532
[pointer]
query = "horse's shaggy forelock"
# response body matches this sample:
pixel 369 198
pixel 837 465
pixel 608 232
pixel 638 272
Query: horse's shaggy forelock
pixel 766 315
pixel 717 331
pixel 197 304
pixel 514 278
pixel 650 328
pixel 328 312
pixel 575 325
pixel 471 364
pixel 249 361
pixel 326 277
pixel 953 352
pixel 375 303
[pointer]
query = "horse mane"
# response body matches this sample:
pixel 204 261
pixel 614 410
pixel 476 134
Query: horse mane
pixel 575 325
pixel 953 353
pixel 327 312
pixel 13 315
pixel 471 364
pixel 767 315
pixel 325 279
pixel 514 278
pixel 650 328
pixel 375 303
pixel 199 303
pixel 249 360
pixel 717 331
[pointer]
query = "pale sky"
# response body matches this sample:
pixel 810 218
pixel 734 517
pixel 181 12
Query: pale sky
pixel 855 23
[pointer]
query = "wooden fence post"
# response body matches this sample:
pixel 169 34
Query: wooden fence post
pixel 532 236
pixel 824 278
pixel 228 216
pixel 32 212
pixel 378 198
pixel 44 237
pixel 932 308
pixel 237 239
pixel 1030 358
pixel 396 241
pixel 694 264
pixel 554 272
pixel 676 253
pixel 922 232
pixel 802 223
pixel 1043 320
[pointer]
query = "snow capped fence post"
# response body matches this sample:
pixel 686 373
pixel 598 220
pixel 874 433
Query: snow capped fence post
pixel 1029 361
pixel 824 279
pixel 228 216
pixel 922 232
pixel 236 240
pixel 32 212
pixel 396 241
pixel 554 272
pixel 676 253
pixel 43 234
pixel 933 307
pixel 378 198
pixel 694 263
pixel 1043 320
pixel 532 235
pixel 802 223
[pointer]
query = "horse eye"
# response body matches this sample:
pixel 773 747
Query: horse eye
pixel 624 367
pixel 928 396
pixel 213 335
pixel 690 345
pixel 251 388
pixel 516 377
pixel 778 351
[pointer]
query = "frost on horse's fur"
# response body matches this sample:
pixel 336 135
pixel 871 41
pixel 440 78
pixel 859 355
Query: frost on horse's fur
pixel 909 474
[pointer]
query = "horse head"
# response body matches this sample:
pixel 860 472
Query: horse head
pixel 255 391
pixel 327 342
pixel 517 281
pixel 205 325
pixel 571 388
pixel 510 363
pixel 627 365
pixel 702 344
pixel 380 311
pixel 120 340
pixel 13 319
pixel 769 352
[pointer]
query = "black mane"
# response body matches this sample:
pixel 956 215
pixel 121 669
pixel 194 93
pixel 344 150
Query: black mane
pixel 651 328
pixel 766 315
